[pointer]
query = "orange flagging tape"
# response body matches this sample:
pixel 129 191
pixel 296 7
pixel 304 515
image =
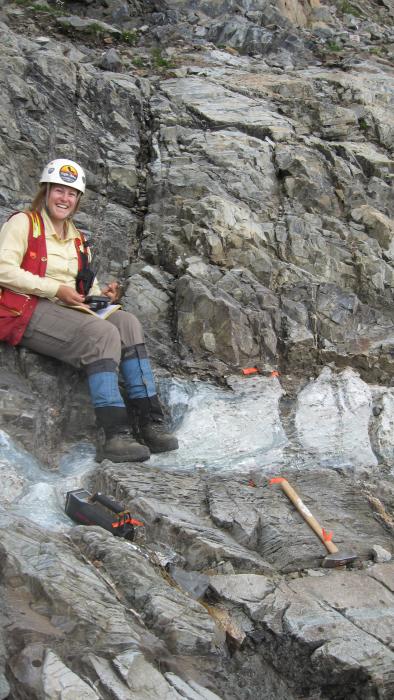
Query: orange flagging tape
pixel 277 480
pixel 125 520
pixel 327 536
pixel 246 371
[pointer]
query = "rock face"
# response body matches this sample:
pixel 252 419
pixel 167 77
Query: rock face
pixel 240 163
pixel 90 615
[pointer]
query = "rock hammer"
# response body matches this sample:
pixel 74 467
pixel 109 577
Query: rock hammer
pixel 335 557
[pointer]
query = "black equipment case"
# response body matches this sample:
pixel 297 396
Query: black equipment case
pixel 98 509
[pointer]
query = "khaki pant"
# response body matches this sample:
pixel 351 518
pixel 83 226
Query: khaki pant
pixel 80 339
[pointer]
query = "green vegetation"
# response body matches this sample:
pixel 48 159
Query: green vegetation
pixel 378 50
pixel 130 37
pixel 159 61
pixel 92 31
pixel 333 46
pixel 137 61
pixel 95 29
pixel 40 8
pixel 363 124
pixel 346 7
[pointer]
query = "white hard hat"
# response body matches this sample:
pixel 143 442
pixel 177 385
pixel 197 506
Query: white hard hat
pixel 64 172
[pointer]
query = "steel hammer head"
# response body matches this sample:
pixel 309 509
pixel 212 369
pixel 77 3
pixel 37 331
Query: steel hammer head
pixel 331 561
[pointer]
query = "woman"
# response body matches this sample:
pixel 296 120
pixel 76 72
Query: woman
pixel 44 265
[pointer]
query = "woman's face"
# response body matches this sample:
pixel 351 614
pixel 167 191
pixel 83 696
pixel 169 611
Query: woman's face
pixel 61 202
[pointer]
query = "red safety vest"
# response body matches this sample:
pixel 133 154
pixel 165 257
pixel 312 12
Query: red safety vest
pixel 17 309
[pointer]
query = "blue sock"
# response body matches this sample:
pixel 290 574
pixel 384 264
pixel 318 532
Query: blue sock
pixel 104 389
pixel 137 373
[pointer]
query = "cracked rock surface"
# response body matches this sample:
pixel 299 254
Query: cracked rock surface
pixel 240 164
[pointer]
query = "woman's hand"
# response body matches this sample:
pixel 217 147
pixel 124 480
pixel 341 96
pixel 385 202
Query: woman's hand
pixel 69 296
pixel 113 291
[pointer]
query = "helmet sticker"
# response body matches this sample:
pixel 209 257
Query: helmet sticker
pixel 50 170
pixel 68 173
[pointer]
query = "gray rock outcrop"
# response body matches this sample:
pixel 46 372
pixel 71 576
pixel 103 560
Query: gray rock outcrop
pixel 240 169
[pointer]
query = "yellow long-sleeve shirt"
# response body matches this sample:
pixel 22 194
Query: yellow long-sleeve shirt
pixel 62 264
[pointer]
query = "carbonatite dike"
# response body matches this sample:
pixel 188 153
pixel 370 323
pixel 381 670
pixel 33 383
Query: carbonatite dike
pixel 240 165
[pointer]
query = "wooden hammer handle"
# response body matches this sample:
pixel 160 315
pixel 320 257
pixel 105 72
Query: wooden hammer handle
pixel 305 512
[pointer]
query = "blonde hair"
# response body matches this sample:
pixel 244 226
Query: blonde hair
pixel 39 200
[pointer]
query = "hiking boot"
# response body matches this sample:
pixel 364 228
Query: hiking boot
pixel 157 439
pixel 147 419
pixel 120 447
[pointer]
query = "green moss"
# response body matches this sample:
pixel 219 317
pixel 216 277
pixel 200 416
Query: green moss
pixel 363 124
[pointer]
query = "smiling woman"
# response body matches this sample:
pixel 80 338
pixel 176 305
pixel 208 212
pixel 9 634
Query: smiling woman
pixel 60 203
pixel 45 268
